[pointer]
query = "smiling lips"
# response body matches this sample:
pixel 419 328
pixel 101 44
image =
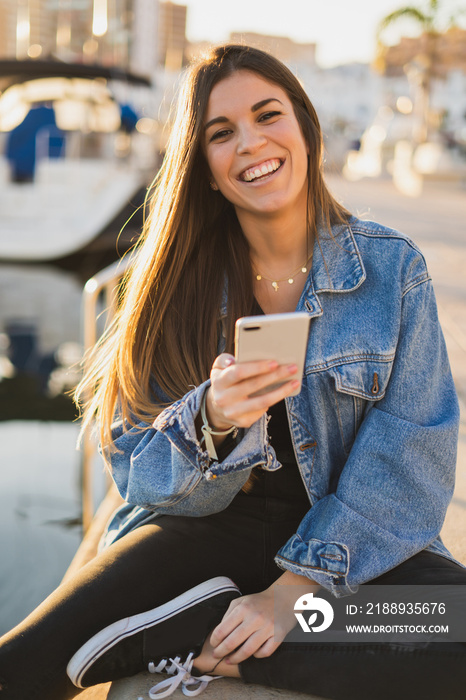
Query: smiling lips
pixel 260 171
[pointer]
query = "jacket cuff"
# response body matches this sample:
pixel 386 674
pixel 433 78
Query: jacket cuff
pixel 326 563
pixel 252 448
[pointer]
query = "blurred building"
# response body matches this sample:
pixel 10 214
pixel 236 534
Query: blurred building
pixel 138 34
pixel 35 33
pixel 172 42
pixel 448 52
pixel 27 28
pixel 282 47
pixel 346 94
pixel 143 32
pixel 83 34
pixel 7 28
pixel 73 31
pixel 285 49
pixel 135 34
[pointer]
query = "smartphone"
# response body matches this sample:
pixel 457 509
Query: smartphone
pixel 280 337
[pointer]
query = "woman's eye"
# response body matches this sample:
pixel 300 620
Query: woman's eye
pixel 220 134
pixel 268 115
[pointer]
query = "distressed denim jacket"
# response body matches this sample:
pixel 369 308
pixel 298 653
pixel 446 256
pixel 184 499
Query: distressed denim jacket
pixel 374 427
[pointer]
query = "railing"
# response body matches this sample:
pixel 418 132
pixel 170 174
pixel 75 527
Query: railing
pixel 104 284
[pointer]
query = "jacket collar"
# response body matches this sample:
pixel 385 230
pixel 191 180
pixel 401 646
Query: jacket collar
pixel 337 266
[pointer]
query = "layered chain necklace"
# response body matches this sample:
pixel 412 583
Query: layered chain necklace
pixel 289 278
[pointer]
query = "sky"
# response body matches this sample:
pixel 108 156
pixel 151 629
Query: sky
pixel 344 30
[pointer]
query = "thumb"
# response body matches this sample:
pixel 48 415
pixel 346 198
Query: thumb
pixel 223 361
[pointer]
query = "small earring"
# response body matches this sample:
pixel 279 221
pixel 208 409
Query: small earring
pixel 213 185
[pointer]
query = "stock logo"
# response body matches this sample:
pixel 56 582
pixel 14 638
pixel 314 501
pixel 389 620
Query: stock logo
pixel 308 604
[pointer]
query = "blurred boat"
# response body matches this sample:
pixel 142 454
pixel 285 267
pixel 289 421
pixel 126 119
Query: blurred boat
pixel 75 163
pixel 78 149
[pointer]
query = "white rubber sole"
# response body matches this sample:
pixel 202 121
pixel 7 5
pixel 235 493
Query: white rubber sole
pixel 104 640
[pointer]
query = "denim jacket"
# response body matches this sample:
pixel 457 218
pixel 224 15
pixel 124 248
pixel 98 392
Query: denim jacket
pixel 374 427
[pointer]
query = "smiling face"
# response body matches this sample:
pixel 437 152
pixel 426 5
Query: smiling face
pixel 255 148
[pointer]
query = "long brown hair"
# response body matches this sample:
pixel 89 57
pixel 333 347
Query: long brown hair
pixel 166 332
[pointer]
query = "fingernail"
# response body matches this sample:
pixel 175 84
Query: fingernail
pixel 229 361
pixel 295 383
pixel 227 661
pixel 292 368
pixel 273 364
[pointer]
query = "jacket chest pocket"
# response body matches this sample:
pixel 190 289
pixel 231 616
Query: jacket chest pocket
pixel 357 386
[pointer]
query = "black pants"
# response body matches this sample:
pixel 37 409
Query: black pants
pixel 159 561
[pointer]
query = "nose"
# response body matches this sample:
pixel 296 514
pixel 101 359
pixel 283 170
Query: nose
pixel 250 139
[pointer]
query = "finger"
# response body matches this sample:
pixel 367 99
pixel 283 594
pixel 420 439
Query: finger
pixel 224 629
pixel 260 382
pixel 239 372
pixel 245 412
pixel 277 394
pixel 235 385
pixel 236 628
pixel 230 385
pixel 252 644
pixel 234 641
pixel 267 649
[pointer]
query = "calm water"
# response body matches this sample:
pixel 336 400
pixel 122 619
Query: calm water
pixel 39 507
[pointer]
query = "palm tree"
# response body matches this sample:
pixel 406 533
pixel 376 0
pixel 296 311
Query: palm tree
pixel 430 24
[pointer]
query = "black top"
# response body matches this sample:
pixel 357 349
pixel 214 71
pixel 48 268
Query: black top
pixel 285 483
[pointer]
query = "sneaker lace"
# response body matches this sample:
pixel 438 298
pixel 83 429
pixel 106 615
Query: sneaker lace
pixel 181 673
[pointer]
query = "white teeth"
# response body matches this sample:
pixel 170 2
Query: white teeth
pixel 264 169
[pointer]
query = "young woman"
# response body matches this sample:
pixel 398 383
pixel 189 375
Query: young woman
pixel 236 504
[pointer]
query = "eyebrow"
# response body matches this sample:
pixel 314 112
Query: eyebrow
pixel 254 108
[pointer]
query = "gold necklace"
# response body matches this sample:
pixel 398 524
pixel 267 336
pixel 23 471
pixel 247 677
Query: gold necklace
pixel 289 278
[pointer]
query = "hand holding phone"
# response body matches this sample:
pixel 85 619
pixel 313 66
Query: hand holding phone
pixel 280 337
